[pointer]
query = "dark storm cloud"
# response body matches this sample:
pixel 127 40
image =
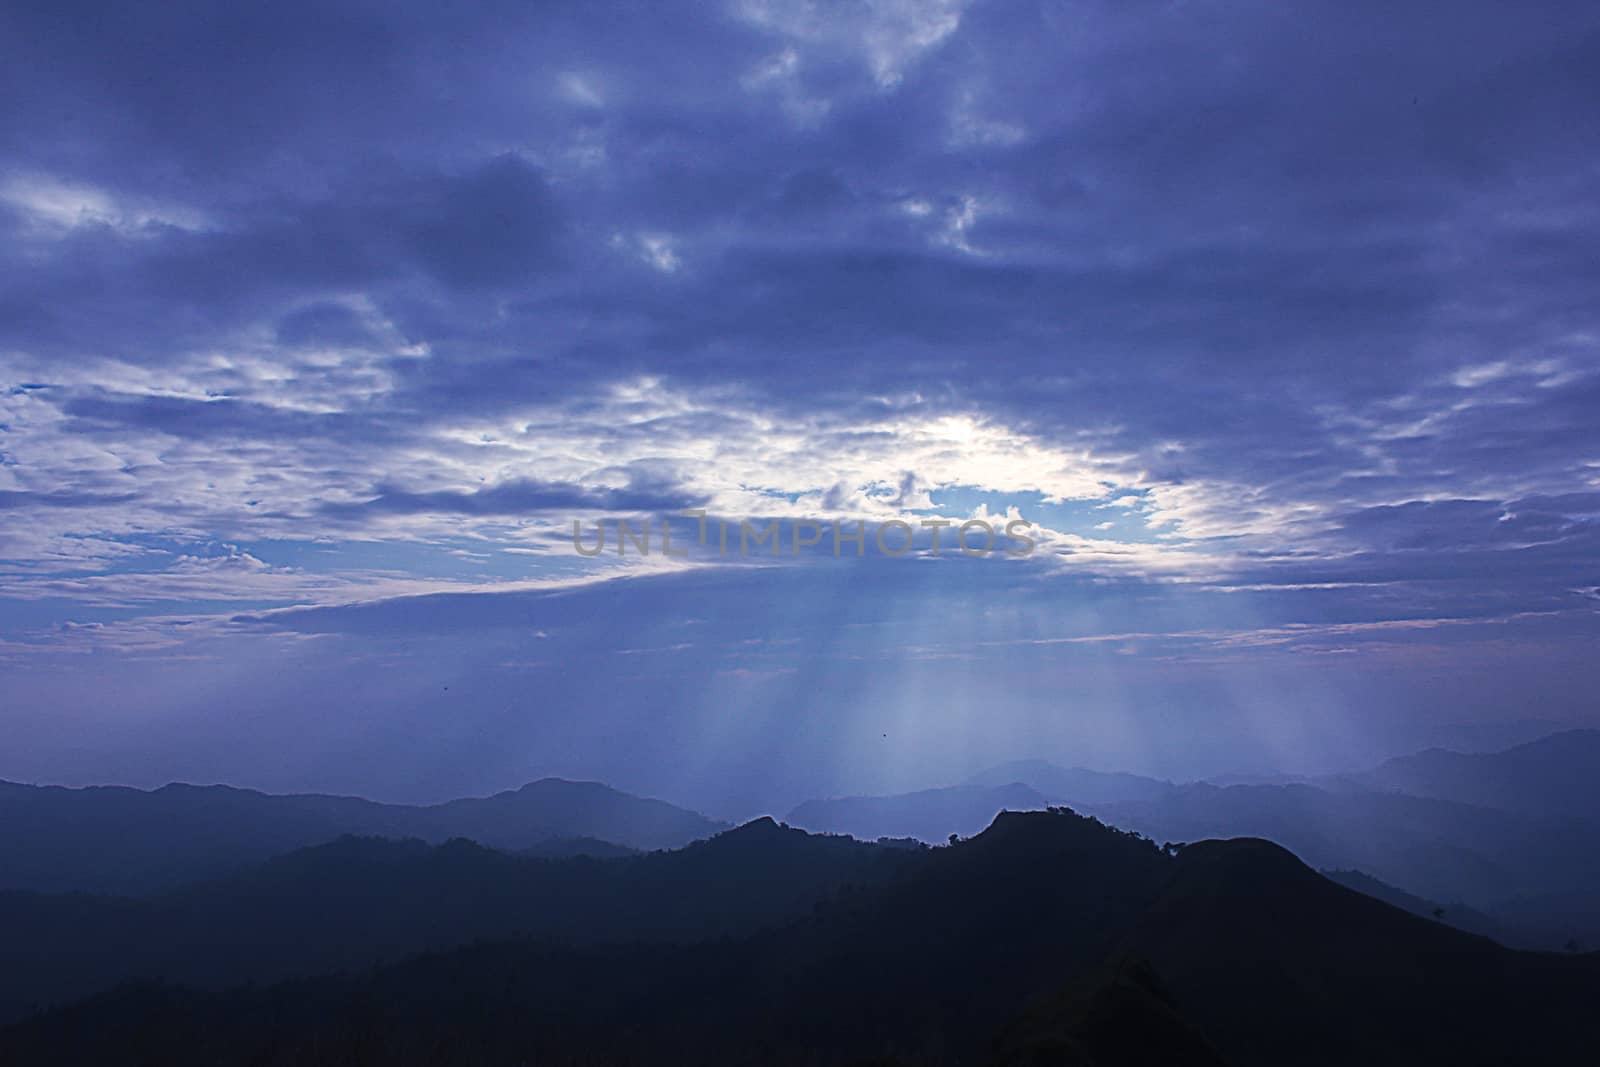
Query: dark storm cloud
pixel 142 292
pixel 522 498
pixel 11 499
pixel 220 418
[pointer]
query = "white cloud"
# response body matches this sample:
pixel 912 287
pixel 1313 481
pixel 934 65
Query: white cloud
pixel 659 253
pixel 779 74
pixel 580 89
pixel 57 203
pixel 888 35
pixel 971 127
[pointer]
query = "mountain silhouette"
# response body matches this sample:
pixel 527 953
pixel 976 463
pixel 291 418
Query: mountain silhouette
pixel 1454 914
pixel 1439 849
pixel 1529 869
pixel 1047 938
pixel 357 901
pixel 113 839
pixel 929 815
pixel 1285 966
pixel 1557 775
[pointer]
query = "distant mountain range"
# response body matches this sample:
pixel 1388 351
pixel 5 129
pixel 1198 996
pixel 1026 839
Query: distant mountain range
pixel 1048 938
pixel 931 815
pixel 1558 775
pixel 1493 833
pixel 1086 788
pixel 112 839
pixel 631 929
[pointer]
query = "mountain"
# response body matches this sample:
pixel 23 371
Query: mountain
pixel 1438 849
pixel 561 848
pixel 1457 915
pixel 1473 857
pixel 1048 938
pixel 928 815
pixel 886 967
pixel 555 807
pixel 359 901
pixel 1558 776
pixel 1509 840
pixel 1075 787
pixel 112 839
pixel 932 815
pixel 1282 966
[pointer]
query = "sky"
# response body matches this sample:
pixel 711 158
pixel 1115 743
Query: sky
pixel 321 325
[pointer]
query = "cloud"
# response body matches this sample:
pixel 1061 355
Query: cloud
pixel 521 498
pixel 889 35
pixel 1257 356
pixel 1303 299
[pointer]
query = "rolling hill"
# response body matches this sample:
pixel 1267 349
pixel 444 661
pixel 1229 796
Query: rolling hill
pixel 112 839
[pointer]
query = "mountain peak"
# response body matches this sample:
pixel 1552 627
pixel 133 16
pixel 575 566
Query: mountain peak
pixel 761 829
pixel 1054 829
pixel 551 782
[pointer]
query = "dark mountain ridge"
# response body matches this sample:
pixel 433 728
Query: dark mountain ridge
pixel 1232 952
pixel 1258 945
pixel 1494 834
pixel 1439 849
pixel 1453 914
pixel 356 902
